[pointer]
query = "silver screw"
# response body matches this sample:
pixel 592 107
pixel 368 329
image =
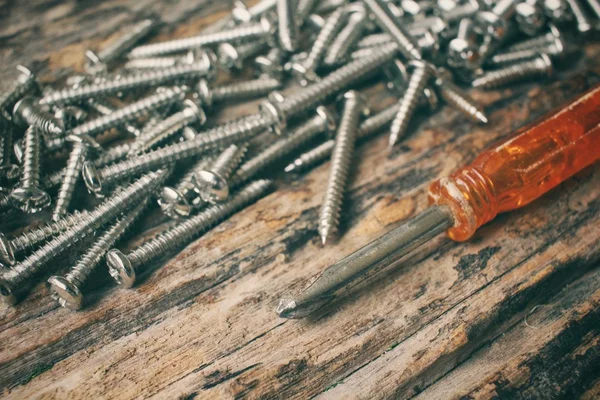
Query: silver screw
pixel 165 129
pixel 130 112
pixel 305 69
pixel 557 11
pixel 529 17
pixel 323 151
pixel 348 36
pixel 271 63
pixel 462 51
pixel 393 26
pixel 233 56
pixel 539 66
pixel 461 11
pixel 422 72
pixel 494 25
pixel 98 62
pixel 8 170
pixel 125 267
pixel 103 107
pixel 251 31
pixel 218 137
pixel 235 91
pixel 143 79
pixel 213 183
pixel 68 289
pixel 322 122
pixel 152 63
pixel 70 116
pixel 546 39
pixel 581 17
pixel 555 50
pixel 9 248
pixel 15 280
pixel 287 25
pixel 25 83
pixel 27 113
pixel 458 99
pixel 242 14
pixel 397 79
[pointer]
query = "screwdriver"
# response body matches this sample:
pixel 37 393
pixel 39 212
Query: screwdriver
pixel 507 176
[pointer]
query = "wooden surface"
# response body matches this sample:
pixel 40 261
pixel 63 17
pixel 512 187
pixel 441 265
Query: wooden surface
pixel 512 313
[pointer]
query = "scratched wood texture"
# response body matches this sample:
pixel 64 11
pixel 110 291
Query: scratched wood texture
pixel 513 312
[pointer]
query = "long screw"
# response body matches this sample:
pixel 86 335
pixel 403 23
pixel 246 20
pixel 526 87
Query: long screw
pixel 125 267
pixel 143 79
pixel 27 113
pixel 392 25
pixel 251 31
pixel 236 91
pixel 165 129
pixel 457 98
pixel 26 83
pixel 539 66
pixel 287 25
pixel 322 122
pixel 323 151
pixel 130 112
pixel 557 49
pixel 68 289
pixel 343 152
pixel 104 108
pixel 233 56
pixel 10 248
pixel 348 36
pixel 546 39
pixel 213 182
pixel 218 137
pixel 17 279
pixel 422 72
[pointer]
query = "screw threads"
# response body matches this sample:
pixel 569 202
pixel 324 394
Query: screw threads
pixel 184 232
pixel 103 107
pixel 17 278
pixel 454 96
pixel 288 28
pixel 246 89
pixel 341 161
pixel 252 30
pixel 410 101
pixel 347 38
pixel 541 65
pixel 124 42
pixel 130 112
pixel 25 83
pixel 112 155
pixel 142 79
pixel 392 25
pixel 151 63
pixel 228 160
pixel 27 113
pixel 581 17
pixel 69 179
pixel 332 26
pixel 30 175
pixel 213 183
pixel 533 43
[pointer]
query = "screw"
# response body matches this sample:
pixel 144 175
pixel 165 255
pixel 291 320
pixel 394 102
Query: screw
pixel 70 116
pixel 233 56
pixel 213 183
pixel 393 26
pixel 9 248
pixel 97 62
pixel 125 267
pixel 8 170
pixel 28 196
pixel 461 11
pixel 422 72
pixel 103 107
pixel 15 280
pixel 68 289
pixel 324 121
pixel 218 137
pixel 236 91
pixel 304 70
pixel 540 41
pixel 398 77
pixel 165 129
pixel 348 36
pixel 581 17
pixel 271 63
pixel 340 166
pixel 529 18
pixel 130 112
pixel 322 152
pixel 143 79
pixel 541 65
pixel 458 99
pixel 153 63
pixel 288 29
pixel 242 14
pixel 462 51
pixel 25 83
pixel 557 11
pixel 555 50
pixel 251 31
pixel 27 113
pixel 81 146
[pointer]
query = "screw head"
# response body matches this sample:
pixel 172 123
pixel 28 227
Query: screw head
pixel 93 64
pixel 173 203
pixel 229 56
pixel 193 108
pixel 65 292
pixel 10 172
pixel 92 178
pixel 7 254
pixel 85 140
pixel 120 268
pixel 213 188
pixel 25 73
pixel 529 17
pixel 70 116
pixel 463 54
pixel 328 118
pixel 269 108
pixel 303 75
pixel 20 108
pixel 30 199
pixel 204 93
pixel 268 67
pixel 491 24
pixel 188 133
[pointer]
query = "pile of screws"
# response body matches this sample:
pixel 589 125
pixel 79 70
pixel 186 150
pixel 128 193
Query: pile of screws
pixel 163 92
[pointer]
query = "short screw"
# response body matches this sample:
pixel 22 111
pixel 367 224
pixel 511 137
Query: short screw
pixel 126 83
pixel 348 36
pixel 68 289
pixel 28 196
pixel 422 72
pixel 539 66
pixel 581 17
pixel 233 56
pixel 26 83
pixel 287 25
pixel 27 113
pixel 70 116
pixel 235 91
pixel 125 267
pixel 458 99
pixel 343 152
pixel 393 26
pixel 213 182
pixel 462 51
pixel 14 281
pixel 324 121
pixel 264 29
pixel 150 138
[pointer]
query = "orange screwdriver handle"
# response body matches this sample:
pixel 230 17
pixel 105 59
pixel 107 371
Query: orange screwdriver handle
pixel 521 168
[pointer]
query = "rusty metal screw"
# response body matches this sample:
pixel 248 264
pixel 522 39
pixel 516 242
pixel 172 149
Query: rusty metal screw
pixel 213 182
pixel 235 91
pixel 25 83
pixel 125 267
pixel 539 66
pixel 27 113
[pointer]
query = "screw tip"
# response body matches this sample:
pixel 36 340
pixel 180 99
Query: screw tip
pixel 481 117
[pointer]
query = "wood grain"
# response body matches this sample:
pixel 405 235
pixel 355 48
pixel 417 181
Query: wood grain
pixel 515 310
